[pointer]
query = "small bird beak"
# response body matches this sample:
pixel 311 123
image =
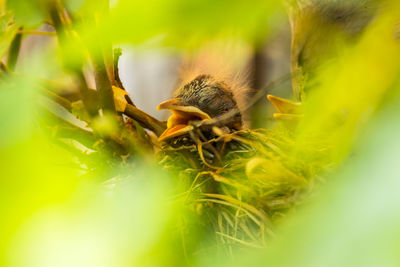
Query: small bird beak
pixel 178 122
pixel 288 111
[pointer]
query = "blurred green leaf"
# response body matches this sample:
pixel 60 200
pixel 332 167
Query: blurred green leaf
pixel 188 23
pixel 56 216
pixel 28 12
pixel 350 88
pixel 75 5
pixel 16 105
pixel 355 220
pixel 7 32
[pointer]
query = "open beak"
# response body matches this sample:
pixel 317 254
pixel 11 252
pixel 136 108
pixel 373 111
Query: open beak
pixel 178 122
pixel 288 111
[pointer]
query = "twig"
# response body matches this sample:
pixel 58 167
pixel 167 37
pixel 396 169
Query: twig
pixel 33 32
pixel 66 129
pixel 105 42
pixel 242 242
pixel 101 56
pixel 117 55
pixel 59 21
pixel 59 99
pixel 145 120
pixel 103 84
pixel 91 104
pixel 209 145
pixel 55 90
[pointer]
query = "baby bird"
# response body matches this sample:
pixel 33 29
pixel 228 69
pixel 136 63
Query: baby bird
pixel 202 99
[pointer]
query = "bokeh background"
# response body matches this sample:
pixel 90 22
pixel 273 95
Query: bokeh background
pixel 55 212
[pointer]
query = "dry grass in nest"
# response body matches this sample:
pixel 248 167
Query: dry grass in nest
pixel 241 184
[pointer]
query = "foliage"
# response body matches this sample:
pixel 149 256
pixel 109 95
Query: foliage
pixel 86 183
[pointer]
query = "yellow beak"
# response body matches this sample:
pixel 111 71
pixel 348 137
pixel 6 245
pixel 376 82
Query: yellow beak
pixel 178 122
pixel 288 110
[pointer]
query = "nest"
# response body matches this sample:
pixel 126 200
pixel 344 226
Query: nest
pixel 240 184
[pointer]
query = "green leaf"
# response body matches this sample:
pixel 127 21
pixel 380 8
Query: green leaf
pixel 28 12
pixel 7 33
pixel 187 23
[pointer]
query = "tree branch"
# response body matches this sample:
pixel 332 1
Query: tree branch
pixel 145 120
pixel 33 32
pixel 65 129
pixel 117 55
pixel 106 95
pixel 55 11
pixel 59 99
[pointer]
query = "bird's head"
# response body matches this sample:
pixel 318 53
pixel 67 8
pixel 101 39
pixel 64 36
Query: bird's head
pixel 203 98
